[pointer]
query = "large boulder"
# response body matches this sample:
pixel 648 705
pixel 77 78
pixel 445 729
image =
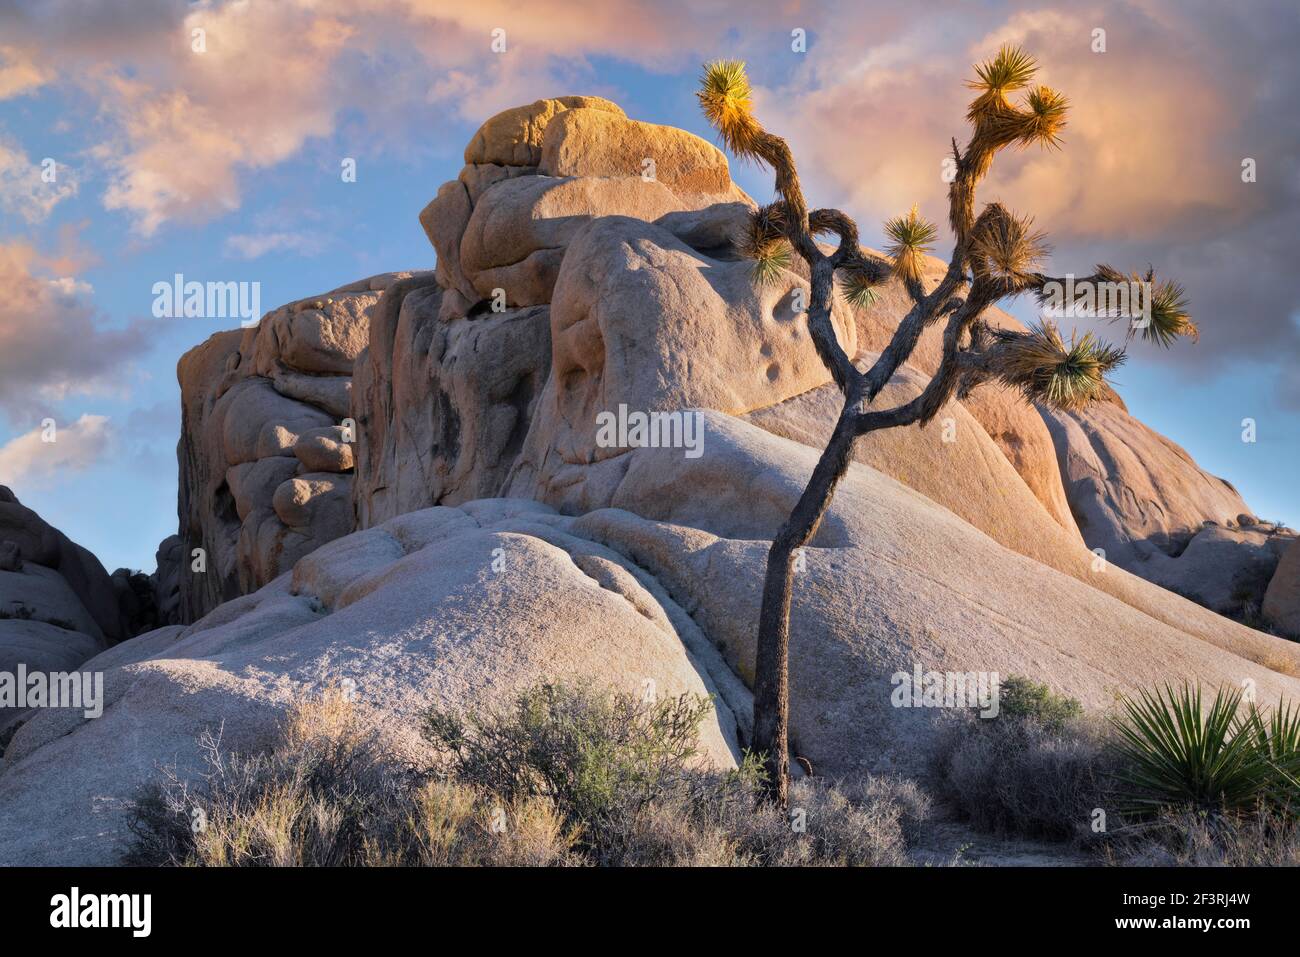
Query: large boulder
pixel 42 594
pixel 536 174
pixel 38 647
pixel 644 323
pixel 1281 607
pixel 458 608
pixel 514 137
pixel 1134 492
pixel 1143 502
pixel 260 408
pixel 588 142
pixel 443 407
pixel 1225 569
pixel 171 561
pixel 444 221
pixel 27 538
pixel 520 229
pixel 58 606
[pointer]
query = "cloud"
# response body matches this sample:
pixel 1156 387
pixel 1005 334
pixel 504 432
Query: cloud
pixel 1150 171
pixel 75 448
pixel 19 73
pixel 24 189
pixel 50 343
pixel 183 129
pixel 254 245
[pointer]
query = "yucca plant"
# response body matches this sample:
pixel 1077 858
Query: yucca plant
pixel 995 255
pixel 858 290
pixel 911 237
pixel 1044 369
pixel 1277 739
pixel 1169 315
pixel 1177 754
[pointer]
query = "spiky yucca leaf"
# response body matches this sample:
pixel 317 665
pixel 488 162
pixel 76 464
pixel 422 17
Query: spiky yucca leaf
pixel 762 240
pixel 1169 316
pixel 1279 735
pixel 724 97
pixel 912 237
pixel 1005 248
pixel 1178 754
pixel 858 289
pixel 1045 369
pixel 1009 70
pixel 1045 117
pixel 1277 738
pixel 764 225
pixel 769 261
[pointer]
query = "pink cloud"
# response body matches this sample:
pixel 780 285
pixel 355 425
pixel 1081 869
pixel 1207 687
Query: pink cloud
pixel 51 344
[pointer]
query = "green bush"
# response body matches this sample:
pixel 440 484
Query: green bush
pixel 1022 698
pixel 597 756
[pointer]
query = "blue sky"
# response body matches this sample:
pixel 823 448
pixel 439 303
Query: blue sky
pixel 250 156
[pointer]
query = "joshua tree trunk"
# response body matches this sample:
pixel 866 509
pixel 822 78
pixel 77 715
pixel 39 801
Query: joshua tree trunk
pixel 995 255
pixel 771 673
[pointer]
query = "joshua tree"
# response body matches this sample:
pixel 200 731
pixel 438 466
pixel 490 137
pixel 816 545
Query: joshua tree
pixel 996 255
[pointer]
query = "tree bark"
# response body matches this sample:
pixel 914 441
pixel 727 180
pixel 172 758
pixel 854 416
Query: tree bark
pixel 771 669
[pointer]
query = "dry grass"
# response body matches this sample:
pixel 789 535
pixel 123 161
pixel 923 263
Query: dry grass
pixel 326 793
pixel 1187 839
pixel 567 777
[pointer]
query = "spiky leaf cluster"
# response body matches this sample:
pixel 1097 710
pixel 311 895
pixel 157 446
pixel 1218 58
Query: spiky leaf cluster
pixel 911 237
pixel 1045 369
pixel 762 241
pixel 1005 249
pixel 725 99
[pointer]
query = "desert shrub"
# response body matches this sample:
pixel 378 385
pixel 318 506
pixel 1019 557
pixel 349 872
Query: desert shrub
pixel 328 794
pixel 721 820
pixel 597 756
pixel 1037 769
pixel 1176 753
pixel 581 777
pixel 619 770
pixel 1020 697
pixel 1180 782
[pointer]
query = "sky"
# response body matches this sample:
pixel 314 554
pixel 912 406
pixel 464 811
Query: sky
pixel 208 139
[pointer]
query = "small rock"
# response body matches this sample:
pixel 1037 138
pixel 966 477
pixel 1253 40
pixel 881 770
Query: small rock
pixel 11 558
